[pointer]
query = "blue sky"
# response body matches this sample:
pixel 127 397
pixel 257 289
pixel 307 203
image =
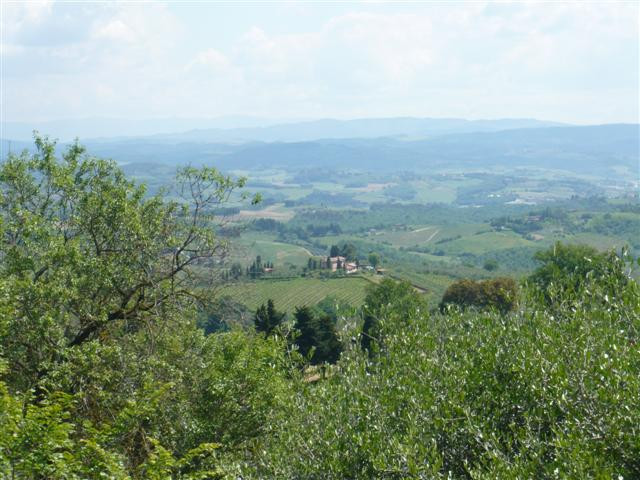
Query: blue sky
pixel 572 62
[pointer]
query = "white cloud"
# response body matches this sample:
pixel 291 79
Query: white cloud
pixel 115 30
pixel 558 61
pixel 210 58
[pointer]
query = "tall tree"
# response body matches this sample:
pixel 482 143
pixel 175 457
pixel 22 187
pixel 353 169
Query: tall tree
pixel 317 332
pixel 267 318
pixel 327 343
pixel 235 271
pixel 349 251
pixel 305 326
pixel 104 372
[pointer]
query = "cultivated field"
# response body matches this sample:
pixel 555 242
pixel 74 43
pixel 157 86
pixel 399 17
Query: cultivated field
pixel 288 294
pixel 281 254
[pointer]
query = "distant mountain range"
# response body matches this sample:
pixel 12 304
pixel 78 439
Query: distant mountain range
pixel 605 150
pixel 403 127
pixel 592 149
pixel 246 129
pixel 108 128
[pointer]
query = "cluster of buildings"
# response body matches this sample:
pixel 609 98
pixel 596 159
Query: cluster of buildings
pixel 340 263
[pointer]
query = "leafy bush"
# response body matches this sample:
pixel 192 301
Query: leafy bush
pixel 566 269
pixel 476 395
pixel 499 293
pixel 389 295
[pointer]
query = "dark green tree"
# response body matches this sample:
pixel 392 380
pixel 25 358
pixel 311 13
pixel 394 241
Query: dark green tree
pixel 236 271
pixel 463 293
pixel 305 326
pixel 327 343
pixel 267 318
pixel 93 255
pixel 499 293
pixel 317 334
pixel 104 372
pixel 490 265
pixel 349 251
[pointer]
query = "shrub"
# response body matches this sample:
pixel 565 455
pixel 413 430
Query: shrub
pixel 475 395
pixel 499 293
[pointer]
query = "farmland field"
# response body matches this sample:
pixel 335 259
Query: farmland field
pixel 288 294
pixel 276 212
pixel 281 254
pixel 599 241
pixel 485 242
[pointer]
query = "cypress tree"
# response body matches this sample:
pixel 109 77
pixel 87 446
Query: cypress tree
pixel 267 318
pixel 319 333
pixel 306 328
pixel 328 346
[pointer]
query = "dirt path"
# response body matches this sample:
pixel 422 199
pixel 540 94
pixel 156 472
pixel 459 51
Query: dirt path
pixel 308 252
pixel 424 229
pixel 432 235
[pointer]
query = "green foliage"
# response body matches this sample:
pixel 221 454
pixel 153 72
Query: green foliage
pixel 241 390
pixel 267 318
pixel 105 373
pixel 490 265
pixel 36 441
pixel 400 298
pixel 317 338
pixel 476 395
pixel 499 293
pixel 223 314
pixel 566 269
pixel 374 259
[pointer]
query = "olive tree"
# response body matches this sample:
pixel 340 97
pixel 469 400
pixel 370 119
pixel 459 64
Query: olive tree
pixel 90 255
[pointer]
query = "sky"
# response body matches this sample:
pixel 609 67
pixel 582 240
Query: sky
pixel 574 62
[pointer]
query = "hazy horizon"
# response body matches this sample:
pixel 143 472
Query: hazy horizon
pixel 104 127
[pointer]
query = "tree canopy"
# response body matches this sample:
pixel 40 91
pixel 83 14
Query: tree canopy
pixel 102 364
